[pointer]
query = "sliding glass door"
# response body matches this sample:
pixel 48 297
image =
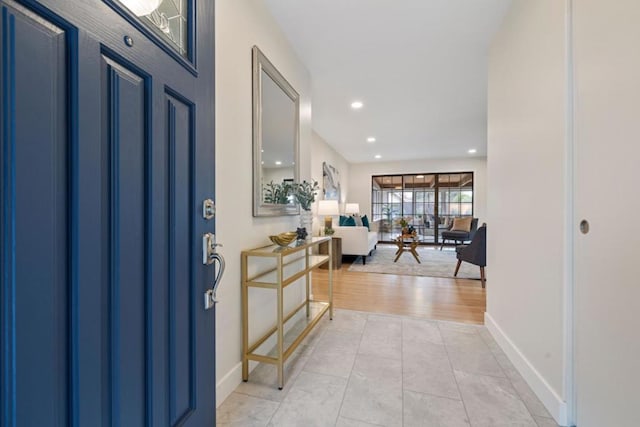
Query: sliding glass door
pixel 427 201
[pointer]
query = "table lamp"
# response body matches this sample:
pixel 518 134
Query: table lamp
pixel 352 208
pixel 328 208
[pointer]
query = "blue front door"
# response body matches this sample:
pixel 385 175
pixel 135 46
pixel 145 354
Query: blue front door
pixel 106 154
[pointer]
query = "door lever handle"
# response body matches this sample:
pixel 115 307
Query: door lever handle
pixel 210 295
pixel 209 246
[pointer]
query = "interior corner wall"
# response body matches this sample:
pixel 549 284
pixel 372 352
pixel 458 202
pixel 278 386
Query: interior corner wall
pixel 322 152
pixel 526 170
pixel 361 173
pixel 241 24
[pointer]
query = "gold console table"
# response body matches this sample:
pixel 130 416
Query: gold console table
pixel 286 272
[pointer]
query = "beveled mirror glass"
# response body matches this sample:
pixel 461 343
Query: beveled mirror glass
pixel 276 108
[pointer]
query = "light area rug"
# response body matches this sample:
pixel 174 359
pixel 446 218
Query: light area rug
pixel 434 263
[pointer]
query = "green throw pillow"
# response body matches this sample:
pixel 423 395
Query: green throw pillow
pixel 365 222
pixel 342 221
pixel 350 222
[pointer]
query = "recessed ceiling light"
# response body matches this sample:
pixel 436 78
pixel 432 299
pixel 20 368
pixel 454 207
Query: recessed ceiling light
pixel 278 162
pixel 472 151
pixel 378 156
pixel 371 139
pixel 356 105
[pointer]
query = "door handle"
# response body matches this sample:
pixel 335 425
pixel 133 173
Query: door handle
pixel 209 246
pixel 210 295
pixel 210 256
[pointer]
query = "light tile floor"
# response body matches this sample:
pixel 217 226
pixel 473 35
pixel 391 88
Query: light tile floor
pixel 363 369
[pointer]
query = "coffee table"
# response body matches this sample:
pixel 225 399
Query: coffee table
pixel 408 243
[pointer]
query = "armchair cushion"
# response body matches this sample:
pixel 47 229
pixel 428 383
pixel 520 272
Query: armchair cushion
pixel 462 224
pixel 460 236
pixel 456 235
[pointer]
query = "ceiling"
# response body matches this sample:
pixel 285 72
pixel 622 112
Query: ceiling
pixel 419 67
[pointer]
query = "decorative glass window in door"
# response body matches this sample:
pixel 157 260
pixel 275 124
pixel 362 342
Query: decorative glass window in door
pixel 169 19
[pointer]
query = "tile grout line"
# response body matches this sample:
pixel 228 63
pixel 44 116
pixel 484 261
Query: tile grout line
pixel 351 371
pixel 434 395
pixel 464 405
pixel 510 380
pixel 320 335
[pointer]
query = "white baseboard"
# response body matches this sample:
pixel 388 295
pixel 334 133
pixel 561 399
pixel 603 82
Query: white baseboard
pixel 547 395
pixel 228 383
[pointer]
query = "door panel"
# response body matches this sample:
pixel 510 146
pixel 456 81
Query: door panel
pixel 607 287
pixel 106 155
pixel 34 226
pixel 181 290
pixel 125 108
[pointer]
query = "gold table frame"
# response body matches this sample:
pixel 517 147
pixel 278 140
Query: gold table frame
pixel 276 279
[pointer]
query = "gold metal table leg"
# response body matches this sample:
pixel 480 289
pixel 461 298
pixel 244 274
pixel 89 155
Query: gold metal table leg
pixel 331 280
pixel 245 320
pixel 280 328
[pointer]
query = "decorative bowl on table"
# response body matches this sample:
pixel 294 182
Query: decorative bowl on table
pixel 284 239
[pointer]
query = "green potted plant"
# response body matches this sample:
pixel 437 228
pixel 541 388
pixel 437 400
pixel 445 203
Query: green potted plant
pixel 304 193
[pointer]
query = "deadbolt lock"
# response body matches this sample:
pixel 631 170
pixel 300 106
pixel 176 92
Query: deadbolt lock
pixel 208 209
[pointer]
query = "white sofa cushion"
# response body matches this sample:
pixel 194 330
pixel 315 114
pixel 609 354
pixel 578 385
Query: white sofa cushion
pixel 356 240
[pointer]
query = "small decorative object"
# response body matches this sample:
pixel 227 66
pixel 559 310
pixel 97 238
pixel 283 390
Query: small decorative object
pixel 305 193
pixel 402 222
pixel 306 221
pixel 302 233
pixel 284 239
pixel 329 231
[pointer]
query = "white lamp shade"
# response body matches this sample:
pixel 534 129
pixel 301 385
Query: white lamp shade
pixel 328 207
pixel 142 7
pixel 352 208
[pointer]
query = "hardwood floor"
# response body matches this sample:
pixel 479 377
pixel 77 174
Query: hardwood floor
pixel 459 300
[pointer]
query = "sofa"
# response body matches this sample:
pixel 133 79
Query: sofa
pixel 357 240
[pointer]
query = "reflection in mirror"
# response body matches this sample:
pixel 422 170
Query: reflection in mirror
pixel 275 139
pixel 278 137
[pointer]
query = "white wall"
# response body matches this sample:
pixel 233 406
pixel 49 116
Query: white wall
pixel 361 173
pixel 527 209
pixel 277 175
pixel 321 152
pixel 240 24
